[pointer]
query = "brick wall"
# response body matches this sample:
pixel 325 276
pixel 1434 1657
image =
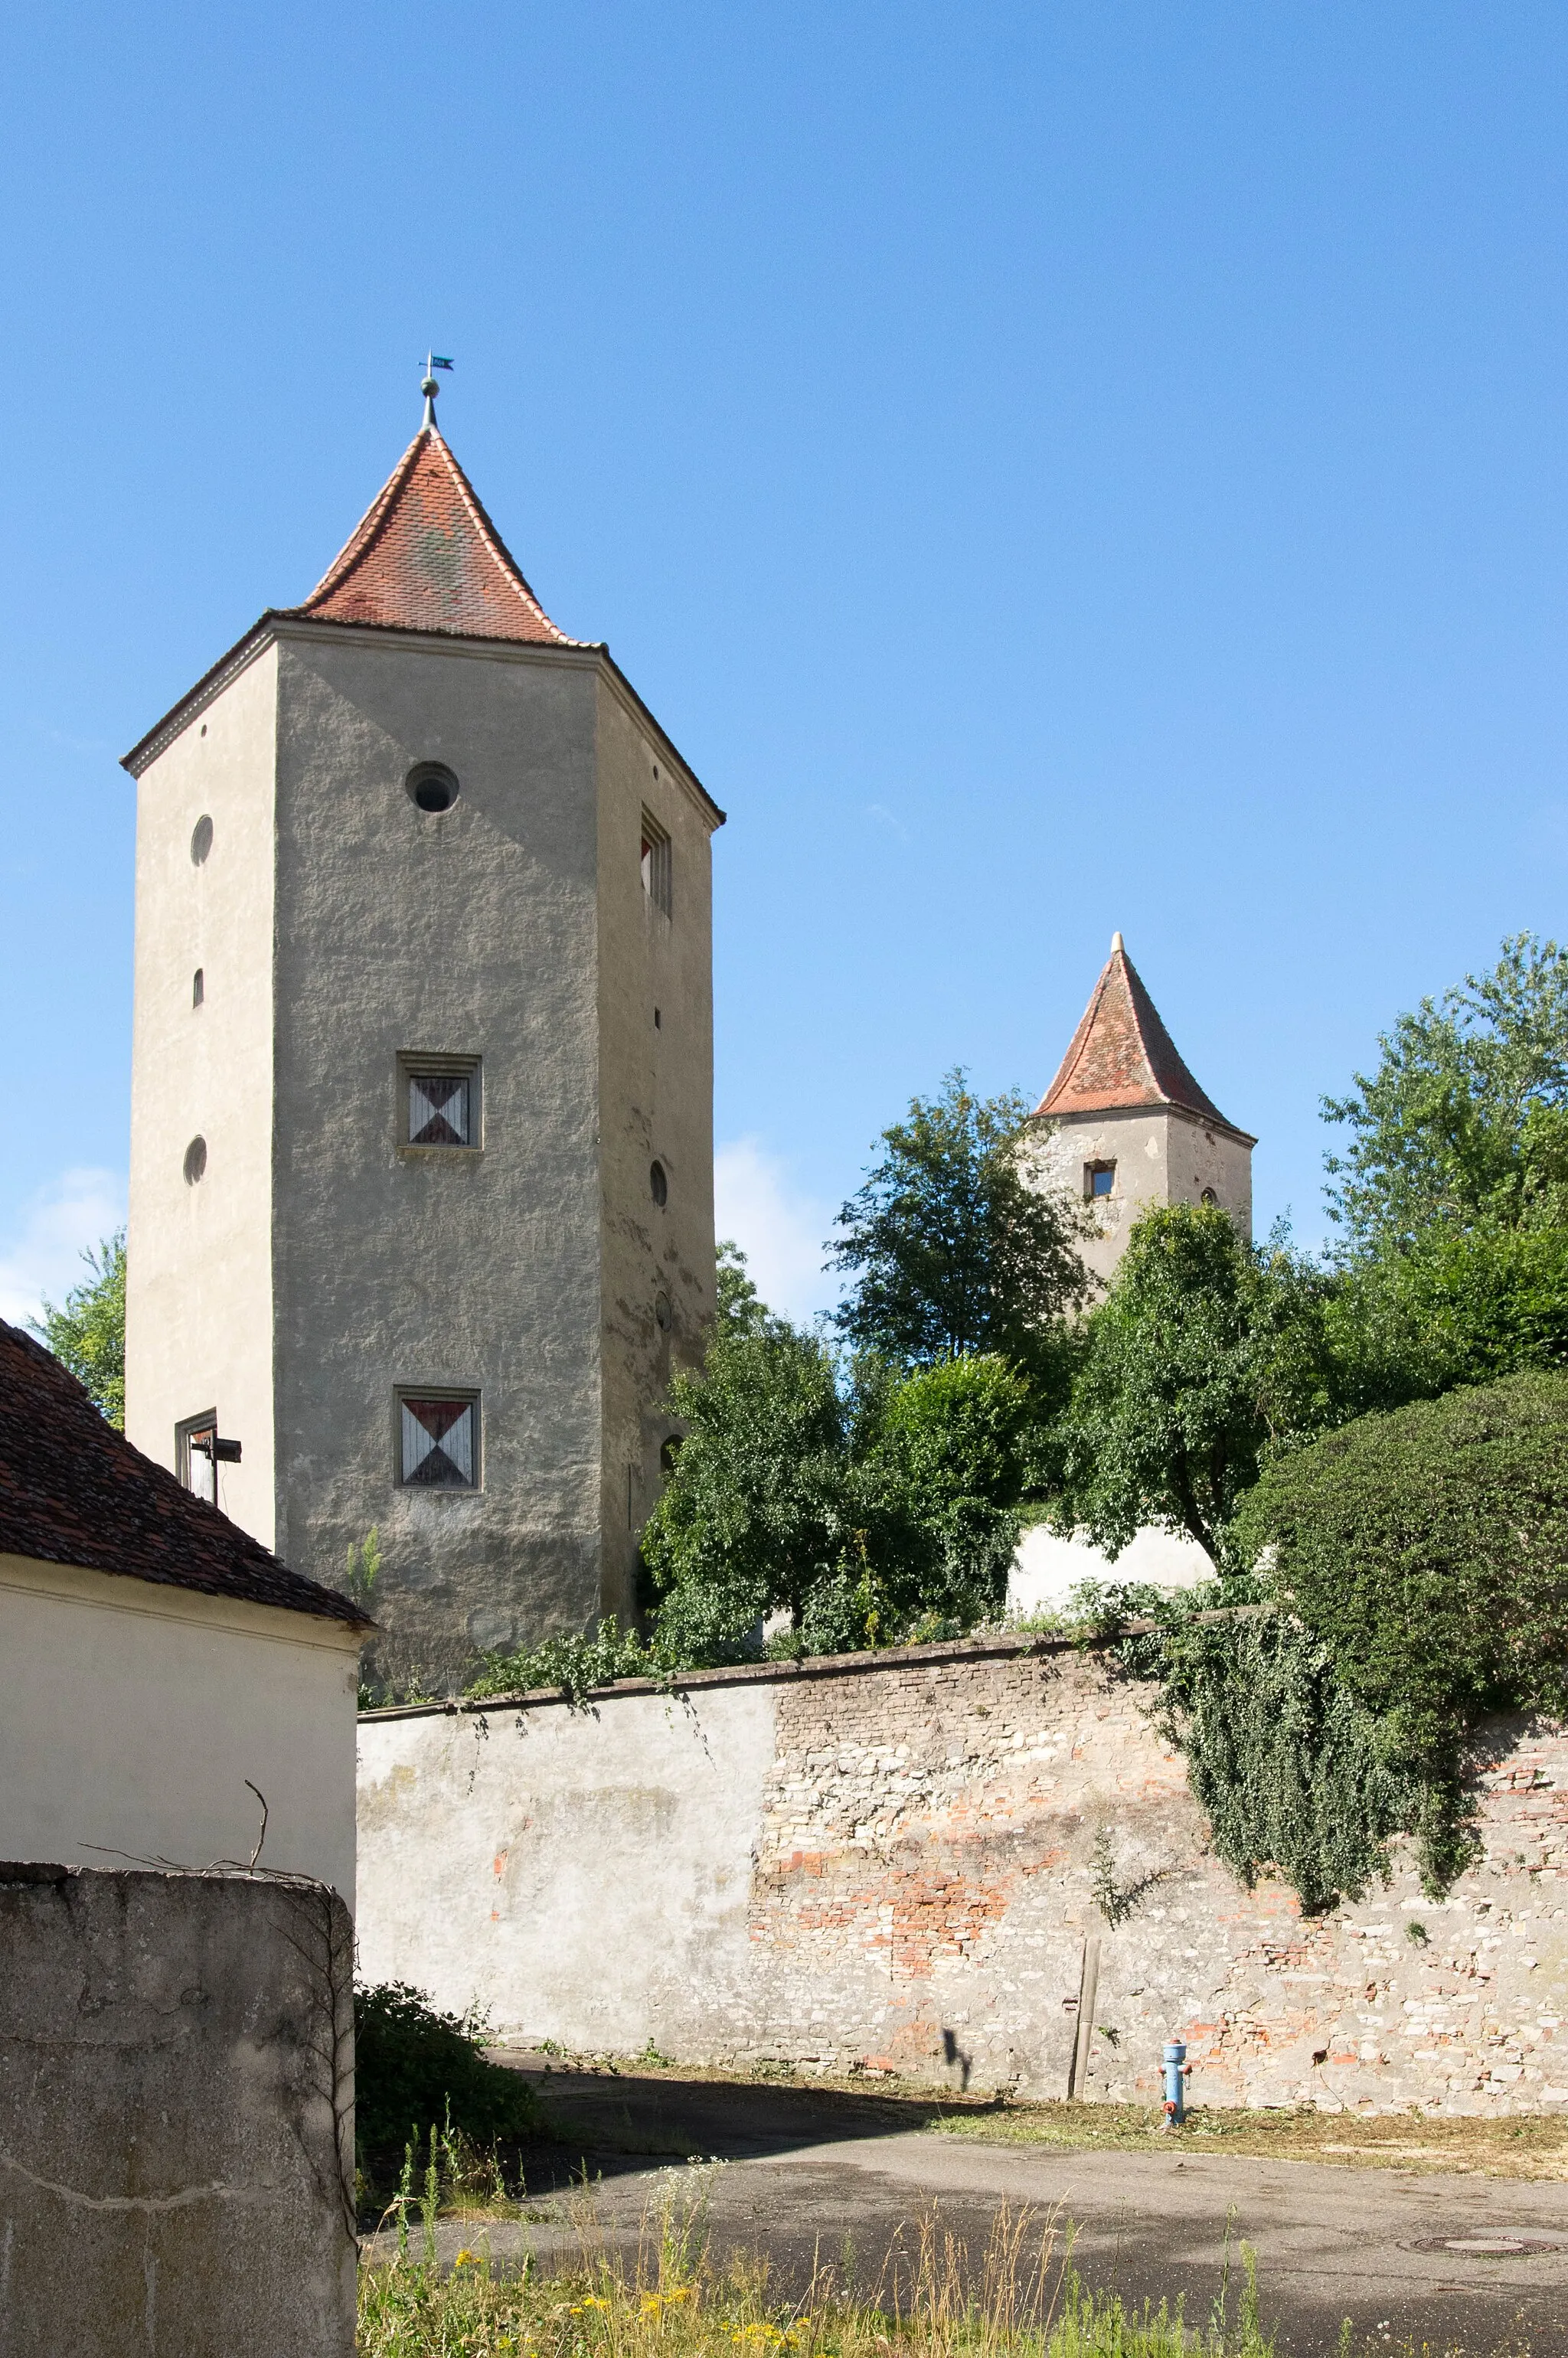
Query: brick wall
pixel 890 1863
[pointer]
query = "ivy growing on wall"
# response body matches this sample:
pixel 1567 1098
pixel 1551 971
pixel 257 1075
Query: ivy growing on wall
pixel 1409 1580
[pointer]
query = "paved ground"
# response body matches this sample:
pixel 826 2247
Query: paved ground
pixel 800 2173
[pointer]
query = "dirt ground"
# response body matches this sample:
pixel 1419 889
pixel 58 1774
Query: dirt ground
pixel 1451 2236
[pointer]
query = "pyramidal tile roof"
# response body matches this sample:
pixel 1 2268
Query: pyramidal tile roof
pixel 1122 1056
pixel 426 558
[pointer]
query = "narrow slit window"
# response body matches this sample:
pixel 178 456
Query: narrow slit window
pixel 438 1441
pixel 656 863
pixel 198 988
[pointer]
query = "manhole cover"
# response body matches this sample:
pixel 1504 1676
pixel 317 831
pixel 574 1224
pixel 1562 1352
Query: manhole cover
pixel 1500 2244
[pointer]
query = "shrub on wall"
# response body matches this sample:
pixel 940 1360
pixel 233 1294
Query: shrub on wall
pixel 1428 1550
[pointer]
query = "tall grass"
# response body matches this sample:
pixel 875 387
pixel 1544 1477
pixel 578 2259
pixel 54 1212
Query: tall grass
pixel 674 2299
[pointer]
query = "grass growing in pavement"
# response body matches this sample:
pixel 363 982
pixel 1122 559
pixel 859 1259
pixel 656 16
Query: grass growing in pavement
pixel 1025 2301
pixel 1521 2146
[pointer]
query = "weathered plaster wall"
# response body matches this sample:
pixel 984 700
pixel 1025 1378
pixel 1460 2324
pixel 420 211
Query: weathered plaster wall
pixel 130 1715
pixel 199 1325
pixel 857 1862
pixel 1161 1157
pixel 656 1097
pixel 472 932
pixel 176 2123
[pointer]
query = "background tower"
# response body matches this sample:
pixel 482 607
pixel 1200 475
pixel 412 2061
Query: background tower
pixel 422 1152
pixel 1130 1127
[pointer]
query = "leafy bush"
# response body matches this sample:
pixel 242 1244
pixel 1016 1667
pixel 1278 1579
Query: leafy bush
pixel 416 2070
pixel 575 1665
pixel 1428 1550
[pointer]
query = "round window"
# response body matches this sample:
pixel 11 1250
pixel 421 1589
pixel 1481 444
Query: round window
pixel 200 840
pixel 658 1185
pixel 195 1161
pixel 432 788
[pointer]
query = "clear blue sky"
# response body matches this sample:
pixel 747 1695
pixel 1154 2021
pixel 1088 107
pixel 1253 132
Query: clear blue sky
pixel 1051 469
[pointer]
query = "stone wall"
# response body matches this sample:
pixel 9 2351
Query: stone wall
pixel 910 1862
pixel 175 2116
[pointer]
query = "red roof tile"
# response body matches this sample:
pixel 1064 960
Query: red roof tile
pixel 426 558
pixel 1122 1056
pixel 72 1490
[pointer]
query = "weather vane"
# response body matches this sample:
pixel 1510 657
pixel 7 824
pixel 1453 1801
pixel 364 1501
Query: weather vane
pixel 433 361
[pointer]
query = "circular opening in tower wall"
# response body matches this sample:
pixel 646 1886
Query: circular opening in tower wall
pixel 658 1185
pixel 200 840
pixel 195 1161
pixel 432 788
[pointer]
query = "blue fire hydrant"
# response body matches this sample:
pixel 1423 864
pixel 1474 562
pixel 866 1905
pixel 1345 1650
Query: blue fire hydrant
pixel 1176 2070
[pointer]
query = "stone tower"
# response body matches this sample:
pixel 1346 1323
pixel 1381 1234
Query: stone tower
pixel 422 1141
pixel 1124 1125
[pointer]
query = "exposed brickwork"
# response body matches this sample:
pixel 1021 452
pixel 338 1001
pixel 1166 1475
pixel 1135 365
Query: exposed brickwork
pixel 926 1864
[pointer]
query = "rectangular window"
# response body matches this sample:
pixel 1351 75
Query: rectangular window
pixel 440 1100
pixel 1099 1179
pixel 438 1440
pixel 194 1458
pixel 656 863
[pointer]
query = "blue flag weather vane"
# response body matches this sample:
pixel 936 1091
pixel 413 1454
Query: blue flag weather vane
pixel 429 388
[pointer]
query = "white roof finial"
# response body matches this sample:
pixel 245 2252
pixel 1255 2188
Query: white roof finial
pixel 1115 944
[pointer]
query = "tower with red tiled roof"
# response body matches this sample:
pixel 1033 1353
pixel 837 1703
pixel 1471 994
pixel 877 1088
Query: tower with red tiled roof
pixel 1125 1125
pixel 422 1152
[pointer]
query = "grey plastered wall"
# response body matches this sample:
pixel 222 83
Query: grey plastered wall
pixel 472 933
pixel 176 2124
pixel 852 1863
pixel 657 1084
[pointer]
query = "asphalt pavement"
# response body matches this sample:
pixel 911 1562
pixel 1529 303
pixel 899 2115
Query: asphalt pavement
pixel 808 2177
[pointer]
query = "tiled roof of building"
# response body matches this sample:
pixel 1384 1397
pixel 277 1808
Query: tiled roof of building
pixel 1122 1056
pixel 426 558
pixel 72 1490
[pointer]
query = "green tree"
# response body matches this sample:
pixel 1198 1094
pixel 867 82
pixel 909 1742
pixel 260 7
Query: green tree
pixel 756 1510
pixel 1204 1350
pixel 1464 1120
pixel 946 1459
pixel 954 1251
pixel 88 1334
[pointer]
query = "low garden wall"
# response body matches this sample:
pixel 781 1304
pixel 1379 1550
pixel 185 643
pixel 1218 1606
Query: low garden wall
pixel 972 1862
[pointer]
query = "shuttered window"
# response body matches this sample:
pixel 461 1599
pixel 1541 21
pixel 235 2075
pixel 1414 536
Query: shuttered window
pixel 438 1441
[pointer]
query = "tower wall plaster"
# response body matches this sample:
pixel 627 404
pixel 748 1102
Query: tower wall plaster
pixel 472 932
pixel 656 1085
pixel 199 1312
pixel 1162 1156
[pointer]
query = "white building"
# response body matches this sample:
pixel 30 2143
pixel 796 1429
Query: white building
pixel 421 1203
pixel 161 1675
pixel 1124 1126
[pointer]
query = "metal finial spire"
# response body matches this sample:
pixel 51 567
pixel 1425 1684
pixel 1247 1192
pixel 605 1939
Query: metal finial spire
pixel 433 361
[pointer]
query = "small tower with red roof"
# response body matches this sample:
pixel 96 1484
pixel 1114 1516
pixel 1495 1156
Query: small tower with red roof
pixel 422 1147
pixel 1124 1125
